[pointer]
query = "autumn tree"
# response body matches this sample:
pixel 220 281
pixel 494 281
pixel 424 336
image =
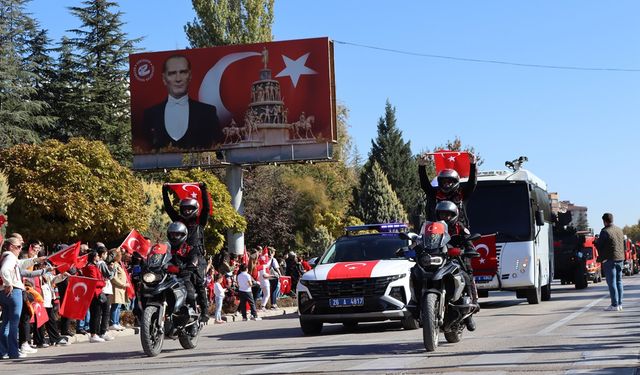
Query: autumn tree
pixel 374 200
pixel 73 191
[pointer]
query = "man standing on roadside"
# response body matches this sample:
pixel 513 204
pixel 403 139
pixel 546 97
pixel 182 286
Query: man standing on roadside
pixel 610 246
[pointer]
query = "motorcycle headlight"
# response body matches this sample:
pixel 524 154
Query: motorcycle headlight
pixel 424 260
pixel 150 277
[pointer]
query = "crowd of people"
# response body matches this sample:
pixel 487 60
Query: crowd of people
pixel 30 282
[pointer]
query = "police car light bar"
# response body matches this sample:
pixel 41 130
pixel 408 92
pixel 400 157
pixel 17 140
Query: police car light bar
pixel 383 227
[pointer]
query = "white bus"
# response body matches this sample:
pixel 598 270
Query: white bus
pixel 515 206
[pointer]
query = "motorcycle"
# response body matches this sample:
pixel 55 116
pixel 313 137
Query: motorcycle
pixel 441 284
pixel 163 312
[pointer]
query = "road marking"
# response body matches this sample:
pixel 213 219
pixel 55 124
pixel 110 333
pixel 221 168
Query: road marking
pixel 567 318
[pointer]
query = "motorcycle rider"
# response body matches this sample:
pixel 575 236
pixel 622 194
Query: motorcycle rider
pixel 448 212
pixel 449 188
pixel 185 263
pixel 194 219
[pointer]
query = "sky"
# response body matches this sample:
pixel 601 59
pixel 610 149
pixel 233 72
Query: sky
pixel 578 128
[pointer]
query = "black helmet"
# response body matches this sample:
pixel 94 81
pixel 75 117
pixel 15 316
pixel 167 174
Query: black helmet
pixel 448 180
pixel 189 208
pixel 447 211
pixel 177 233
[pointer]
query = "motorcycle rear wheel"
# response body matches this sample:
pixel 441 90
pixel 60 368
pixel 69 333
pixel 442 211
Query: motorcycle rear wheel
pixel 190 342
pixel 150 335
pixel 430 327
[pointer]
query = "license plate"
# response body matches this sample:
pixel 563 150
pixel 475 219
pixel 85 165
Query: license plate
pixel 346 302
pixel 483 279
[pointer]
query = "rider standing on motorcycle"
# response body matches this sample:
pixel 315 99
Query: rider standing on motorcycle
pixel 449 188
pixel 448 212
pixel 195 220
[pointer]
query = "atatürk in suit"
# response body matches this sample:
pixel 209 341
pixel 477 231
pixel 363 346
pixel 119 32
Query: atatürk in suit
pixel 202 130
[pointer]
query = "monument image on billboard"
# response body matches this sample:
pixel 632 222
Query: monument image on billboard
pixel 246 104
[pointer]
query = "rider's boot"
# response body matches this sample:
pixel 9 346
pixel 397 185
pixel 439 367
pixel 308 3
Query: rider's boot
pixel 470 323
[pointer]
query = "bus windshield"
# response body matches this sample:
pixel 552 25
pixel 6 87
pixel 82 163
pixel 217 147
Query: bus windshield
pixel 501 208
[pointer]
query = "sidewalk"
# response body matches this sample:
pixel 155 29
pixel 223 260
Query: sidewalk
pixel 229 318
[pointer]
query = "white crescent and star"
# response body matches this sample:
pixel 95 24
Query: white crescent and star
pixel 192 192
pixel 295 68
pixel 81 284
pixel 353 266
pixel 132 247
pixel 486 254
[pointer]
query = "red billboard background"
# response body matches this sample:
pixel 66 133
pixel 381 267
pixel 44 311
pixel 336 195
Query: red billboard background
pixel 224 77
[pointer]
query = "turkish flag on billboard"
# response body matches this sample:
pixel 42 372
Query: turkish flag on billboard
pixel 80 292
pixel 136 243
pixel 460 161
pixel 66 258
pixel 290 80
pixel 487 263
pixel 40 315
pixel 186 190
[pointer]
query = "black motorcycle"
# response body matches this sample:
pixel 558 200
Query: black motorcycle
pixel 163 311
pixel 440 284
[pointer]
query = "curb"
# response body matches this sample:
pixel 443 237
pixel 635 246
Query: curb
pixel 237 317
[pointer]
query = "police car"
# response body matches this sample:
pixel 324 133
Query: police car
pixel 358 279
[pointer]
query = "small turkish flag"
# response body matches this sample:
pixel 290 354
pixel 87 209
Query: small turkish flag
pixel 187 190
pixel 80 292
pixel 66 258
pixel 487 263
pixel 82 261
pixel 40 315
pixel 245 257
pixel 460 161
pixel 136 243
pixel 131 290
pixel 285 284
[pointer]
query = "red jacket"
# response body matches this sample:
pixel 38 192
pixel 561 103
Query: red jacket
pixel 92 271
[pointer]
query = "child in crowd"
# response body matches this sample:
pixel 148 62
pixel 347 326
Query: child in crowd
pixel 219 292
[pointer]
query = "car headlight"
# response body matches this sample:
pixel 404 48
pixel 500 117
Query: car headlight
pixel 150 277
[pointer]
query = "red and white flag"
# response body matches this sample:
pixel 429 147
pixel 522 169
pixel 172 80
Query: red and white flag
pixel 185 190
pixel 40 315
pixel 80 292
pixel 460 161
pixel 65 259
pixel 136 243
pixel 285 284
pixel 82 261
pixel 245 257
pixel 487 263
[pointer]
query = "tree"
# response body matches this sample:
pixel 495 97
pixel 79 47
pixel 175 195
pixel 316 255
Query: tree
pixel 224 215
pixel 74 191
pixel 375 200
pixel 632 231
pixel 158 220
pixel 21 113
pixel 103 50
pixel 224 22
pixel 394 156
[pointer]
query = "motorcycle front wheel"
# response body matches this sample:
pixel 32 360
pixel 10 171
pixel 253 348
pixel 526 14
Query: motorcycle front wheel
pixel 190 341
pixel 150 335
pixel 430 327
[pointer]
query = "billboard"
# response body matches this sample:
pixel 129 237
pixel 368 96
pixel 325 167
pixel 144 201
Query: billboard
pixel 245 104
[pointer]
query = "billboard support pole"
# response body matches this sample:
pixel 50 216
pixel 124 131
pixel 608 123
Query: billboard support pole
pixel 235 187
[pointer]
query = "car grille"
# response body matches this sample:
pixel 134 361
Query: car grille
pixel 368 287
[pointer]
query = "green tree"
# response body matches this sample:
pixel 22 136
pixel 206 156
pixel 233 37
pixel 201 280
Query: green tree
pixel 224 22
pixel 21 113
pixel 73 191
pixel 5 199
pixel 103 50
pixel 394 156
pixel 632 231
pixel 375 200
pixel 224 215
pixel 158 219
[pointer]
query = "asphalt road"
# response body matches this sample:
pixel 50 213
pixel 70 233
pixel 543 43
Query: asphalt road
pixel 571 334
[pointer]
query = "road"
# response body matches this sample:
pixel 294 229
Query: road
pixel 571 334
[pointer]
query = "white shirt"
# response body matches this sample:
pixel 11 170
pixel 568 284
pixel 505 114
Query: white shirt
pixel 218 290
pixel 176 116
pixel 244 282
pixel 10 270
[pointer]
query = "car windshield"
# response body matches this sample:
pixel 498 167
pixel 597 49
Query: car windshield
pixel 501 208
pixel 364 247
